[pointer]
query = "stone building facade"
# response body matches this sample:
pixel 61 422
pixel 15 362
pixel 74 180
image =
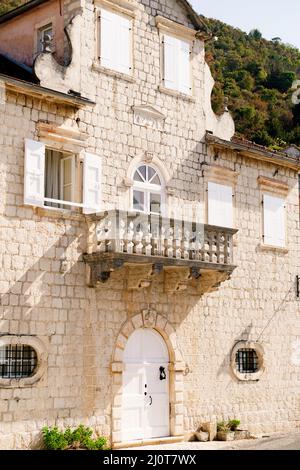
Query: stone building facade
pixel 103 294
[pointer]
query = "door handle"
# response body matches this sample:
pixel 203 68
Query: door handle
pixel 150 401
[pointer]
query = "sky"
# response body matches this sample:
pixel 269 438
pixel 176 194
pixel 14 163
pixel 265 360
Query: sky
pixel 274 18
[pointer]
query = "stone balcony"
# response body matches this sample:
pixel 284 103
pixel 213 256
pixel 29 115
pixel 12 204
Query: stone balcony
pixel 189 255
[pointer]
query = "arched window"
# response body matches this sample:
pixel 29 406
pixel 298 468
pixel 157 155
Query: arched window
pixel 147 190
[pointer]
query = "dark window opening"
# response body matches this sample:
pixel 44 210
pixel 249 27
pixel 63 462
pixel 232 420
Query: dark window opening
pixel 17 361
pixel 246 361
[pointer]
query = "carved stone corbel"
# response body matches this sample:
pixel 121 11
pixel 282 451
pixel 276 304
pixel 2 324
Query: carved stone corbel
pixel 209 281
pixel 139 276
pixel 176 279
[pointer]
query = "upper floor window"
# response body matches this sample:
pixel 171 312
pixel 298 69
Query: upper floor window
pixel 115 41
pixel 57 179
pixel 274 221
pixel 45 38
pixel 176 64
pixel 147 190
pixel 220 205
pixel 17 361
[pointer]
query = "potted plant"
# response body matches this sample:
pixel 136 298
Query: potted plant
pixel 224 433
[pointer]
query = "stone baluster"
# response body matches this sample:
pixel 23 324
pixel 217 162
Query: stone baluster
pixel 122 231
pixel 170 242
pixel 186 244
pixel 129 241
pixel 138 248
pixel 162 238
pixel 148 237
pixel 178 241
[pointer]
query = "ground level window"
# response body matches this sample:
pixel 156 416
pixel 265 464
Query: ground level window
pixel 246 361
pixel 17 361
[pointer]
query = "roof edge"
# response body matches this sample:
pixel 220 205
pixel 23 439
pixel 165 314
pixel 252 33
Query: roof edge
pixel 70 98
pixel 252 150
pixel 21 9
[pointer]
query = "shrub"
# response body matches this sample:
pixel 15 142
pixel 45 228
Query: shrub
pixel 81 437
pixel 233 424
pixel 227 426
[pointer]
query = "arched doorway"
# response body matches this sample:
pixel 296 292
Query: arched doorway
pixel 145 386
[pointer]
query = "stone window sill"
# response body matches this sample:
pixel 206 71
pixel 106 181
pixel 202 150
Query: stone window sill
pixel 112 73
pixel 177 94
pixel 274 249
pixel 57 212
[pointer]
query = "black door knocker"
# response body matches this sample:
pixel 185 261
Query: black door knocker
pixel 162 373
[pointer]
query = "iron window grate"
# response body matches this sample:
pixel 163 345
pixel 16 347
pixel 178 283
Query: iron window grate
pixel 246 360
pixel 17 361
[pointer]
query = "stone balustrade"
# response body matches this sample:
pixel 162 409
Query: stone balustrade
pixel 144 235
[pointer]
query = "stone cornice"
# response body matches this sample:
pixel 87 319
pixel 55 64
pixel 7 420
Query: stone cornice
pixel 127 7
pixel 221 174
pixel 270 184
pixel 51 132
pixel 171 27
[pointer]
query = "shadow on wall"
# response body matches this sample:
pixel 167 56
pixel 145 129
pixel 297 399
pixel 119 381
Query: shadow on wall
pixel 49 299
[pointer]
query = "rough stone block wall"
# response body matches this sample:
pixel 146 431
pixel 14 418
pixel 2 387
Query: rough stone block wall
pixel 80 325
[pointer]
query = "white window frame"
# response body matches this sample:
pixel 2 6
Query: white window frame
pixel 147 189
pixel 62 202
pixel 122 12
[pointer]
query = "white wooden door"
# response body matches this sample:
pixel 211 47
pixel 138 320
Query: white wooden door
pixel 145 397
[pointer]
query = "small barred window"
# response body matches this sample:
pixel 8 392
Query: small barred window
pixel 246 360
pixel 17 361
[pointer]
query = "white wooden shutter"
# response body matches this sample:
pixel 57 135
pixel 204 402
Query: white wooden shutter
pixel 274 220
pixel 107 39
pixel 220 206
pixel 184 67
pixel 34 173
pixel 170 62
pixel 123 37
pixel 91 183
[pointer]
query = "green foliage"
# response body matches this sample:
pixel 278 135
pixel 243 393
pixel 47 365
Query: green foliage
pixel 54 439
pixel 233 424
pixel 256 75
pixel 227 426
pixel 7 5
pixel 81 437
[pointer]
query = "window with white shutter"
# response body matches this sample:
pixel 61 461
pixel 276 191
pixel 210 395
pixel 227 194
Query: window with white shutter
pixel 115 41
pixel 220 205
pixel 52 179
pixel 274 221
pixel 177 67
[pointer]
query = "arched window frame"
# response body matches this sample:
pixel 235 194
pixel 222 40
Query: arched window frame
pixel 148 189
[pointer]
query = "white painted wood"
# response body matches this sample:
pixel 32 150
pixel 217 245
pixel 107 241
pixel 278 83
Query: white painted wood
pixel 184 67
pixel 220 205
pixel 145 398
pixel 274 220
pixel 91 183
pixel 34 173
pixel 115 41
pixel 170 62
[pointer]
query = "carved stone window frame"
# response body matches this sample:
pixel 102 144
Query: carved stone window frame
pixel 248 377
pixel 42 354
